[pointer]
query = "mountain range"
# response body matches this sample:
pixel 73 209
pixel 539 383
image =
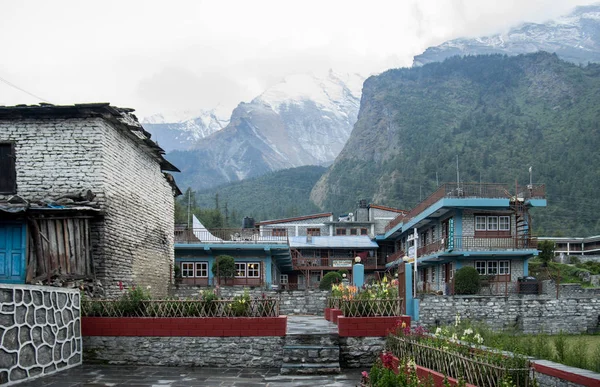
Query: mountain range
pixel 574 38
pixel 304 120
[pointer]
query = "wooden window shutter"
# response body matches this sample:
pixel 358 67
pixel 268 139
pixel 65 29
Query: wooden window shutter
pixel 8 176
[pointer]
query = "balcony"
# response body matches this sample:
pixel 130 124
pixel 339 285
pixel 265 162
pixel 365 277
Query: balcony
pixel 479 244
pixel 241 236
pixel 468 190
pixel 332 262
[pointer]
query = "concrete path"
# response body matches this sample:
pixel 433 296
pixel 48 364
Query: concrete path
pixel 89 375
pixel 309 325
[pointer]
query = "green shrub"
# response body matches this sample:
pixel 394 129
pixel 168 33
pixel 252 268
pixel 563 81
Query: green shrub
pixel 333 277
pixel 344 271
pixel 466 281
pixel 546 251
pixel 224 266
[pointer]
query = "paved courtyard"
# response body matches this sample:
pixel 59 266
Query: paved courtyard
pixel 89 375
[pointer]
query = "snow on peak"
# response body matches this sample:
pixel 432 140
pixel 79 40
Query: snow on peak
pixel 323 90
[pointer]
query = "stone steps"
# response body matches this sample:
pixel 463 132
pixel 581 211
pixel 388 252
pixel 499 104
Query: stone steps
pixel 317 354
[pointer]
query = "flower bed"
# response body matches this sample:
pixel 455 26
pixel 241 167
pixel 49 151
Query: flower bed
pixel 465 359
pixel 134 314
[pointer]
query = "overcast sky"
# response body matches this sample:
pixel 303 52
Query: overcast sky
pixel 180 55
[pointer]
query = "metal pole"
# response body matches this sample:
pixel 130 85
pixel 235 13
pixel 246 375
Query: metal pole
pixel 416 237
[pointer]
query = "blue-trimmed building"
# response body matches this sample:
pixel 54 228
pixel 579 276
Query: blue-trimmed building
pixel 478 225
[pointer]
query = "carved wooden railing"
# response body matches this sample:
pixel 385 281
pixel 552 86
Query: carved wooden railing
pixel 371 308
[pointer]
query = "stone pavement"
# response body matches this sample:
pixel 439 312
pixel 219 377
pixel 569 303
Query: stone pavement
pixel 90 375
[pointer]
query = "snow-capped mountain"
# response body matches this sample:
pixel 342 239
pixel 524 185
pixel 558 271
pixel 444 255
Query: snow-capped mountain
pixel 575 38
pixel 303 120
pixel 181 130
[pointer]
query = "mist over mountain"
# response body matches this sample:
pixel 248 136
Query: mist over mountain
pixel 304 120
pixel 574 38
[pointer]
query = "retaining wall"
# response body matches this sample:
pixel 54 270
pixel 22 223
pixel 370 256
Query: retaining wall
pixel 40 331
pixel 244 352
pixel 531 314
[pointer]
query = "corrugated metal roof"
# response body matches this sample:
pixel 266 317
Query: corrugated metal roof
pixel 318 242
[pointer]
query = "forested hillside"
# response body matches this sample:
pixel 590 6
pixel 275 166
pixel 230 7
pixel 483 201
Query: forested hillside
pixel 498 114
pixel 275 195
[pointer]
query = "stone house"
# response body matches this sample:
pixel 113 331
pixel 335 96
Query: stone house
pixel 84 193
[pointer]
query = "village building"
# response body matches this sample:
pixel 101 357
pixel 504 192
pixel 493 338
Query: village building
pixel 575 246
pixel 484 226
pixel 290 253
pixel 84 193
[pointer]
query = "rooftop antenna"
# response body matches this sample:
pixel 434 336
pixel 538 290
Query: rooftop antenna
pixel 189 206
pixel 457 174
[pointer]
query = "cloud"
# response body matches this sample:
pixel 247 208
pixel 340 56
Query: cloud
pixel 156 56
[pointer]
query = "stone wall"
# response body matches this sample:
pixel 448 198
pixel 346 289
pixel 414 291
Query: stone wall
pixel 244 352
pixel 311 302
pixel 40 331
pixel 531 314
pixel 360 352
pixel 133 243
pixel 568 290
pixel 137 234
pixel 299 227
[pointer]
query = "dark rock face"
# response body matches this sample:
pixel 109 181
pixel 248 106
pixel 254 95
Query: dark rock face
pixel 40 331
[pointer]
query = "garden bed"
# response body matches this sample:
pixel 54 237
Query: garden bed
pixel 370 326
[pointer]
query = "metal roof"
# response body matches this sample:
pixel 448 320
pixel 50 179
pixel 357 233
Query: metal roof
pixel 318 242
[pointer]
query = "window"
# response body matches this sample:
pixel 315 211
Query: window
pixel 313 231
pixel 353 231
pixel 492 267
pixel 504 267
pixel 481 267
pixel 279 232
pixel 492 223
pixel 202 269
pixel 340 231
pixel 364 231
pixel 253 270
pixel 283 279
pixel 240 270
pixel 504 223
pixel 187 269
pixel 8 177
pixel 433 275
pixel 480 223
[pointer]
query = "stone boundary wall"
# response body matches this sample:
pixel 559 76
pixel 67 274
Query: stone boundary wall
pixel 530 314
pixel 311 302
pixel 568 290
pixel 40 331
pixel 243 352
pixel 360 352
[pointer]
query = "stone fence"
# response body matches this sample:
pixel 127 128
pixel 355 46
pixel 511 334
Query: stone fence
pixel 528 313
pixel 40 331
pixel 311 302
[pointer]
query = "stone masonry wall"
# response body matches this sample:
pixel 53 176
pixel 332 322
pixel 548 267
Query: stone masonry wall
pixel 40 331
pixel 300 226
pixel 531 314
pixel 244 352
pixel 134 242
pixel 290 302
pixel 136 237
pixel 381 218
pixel 55 157
pixel 360 352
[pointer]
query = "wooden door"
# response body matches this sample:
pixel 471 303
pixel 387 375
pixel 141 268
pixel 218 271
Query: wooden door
pixel 12 252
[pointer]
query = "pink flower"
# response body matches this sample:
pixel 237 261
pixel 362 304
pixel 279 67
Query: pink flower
pixel 365 374
pixel 120 285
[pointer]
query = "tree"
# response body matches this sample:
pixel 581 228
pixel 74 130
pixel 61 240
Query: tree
pixel 224 266
pixel 546 251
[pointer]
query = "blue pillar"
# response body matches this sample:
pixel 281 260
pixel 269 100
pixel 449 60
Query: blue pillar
pixel 526 267
pixel 268 270
pixel 408 271
pixel 358 275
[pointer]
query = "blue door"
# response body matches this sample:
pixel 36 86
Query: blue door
pixel 12 253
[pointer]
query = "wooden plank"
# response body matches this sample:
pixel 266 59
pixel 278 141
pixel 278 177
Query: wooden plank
pixel 77 247
pixel 71 237
pixel 56 264
pixel 65 243
pixel 88 248
pixel 60 246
